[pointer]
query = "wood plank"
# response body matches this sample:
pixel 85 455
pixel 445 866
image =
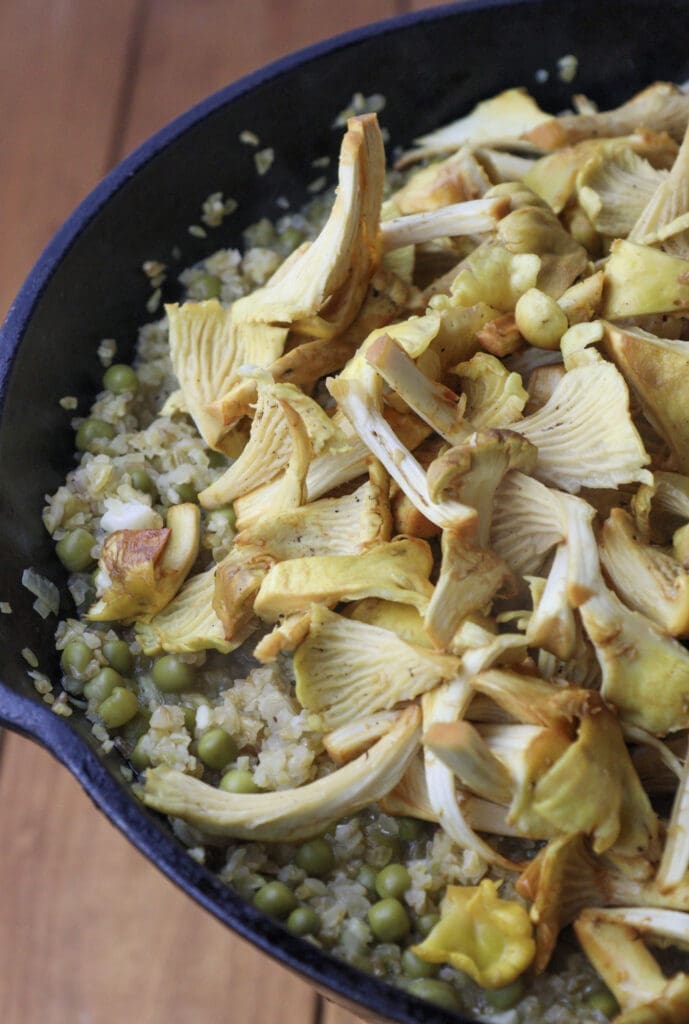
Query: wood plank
pixel 334 1014
pixel 92 933
pixel 180 64
pixel 61 71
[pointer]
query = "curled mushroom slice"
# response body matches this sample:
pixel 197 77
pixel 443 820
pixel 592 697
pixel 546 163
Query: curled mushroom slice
pixel 665 218
pixel 614 189
pixel 291 814
pixel 140 571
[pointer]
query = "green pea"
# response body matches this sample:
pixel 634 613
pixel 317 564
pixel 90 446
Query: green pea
pixel 74 550
pixel 506 997
pixel 392 880
pixel 367 876
pixel 102 685
pixel 276 899
pixel 92 434
pixel 315 857
pixel 427 923
pixel 216 460
pixel 217 748
pixel 303 921
pixel 604 1001
pixel 141 481
pixel 118 656
pixel 262 233
pixel 119 708
pixel 389 920
pixel 139 757
pixel 171 675
pixel 209 285
pixel 238 780
pixel 185 492
pixel 120 378
pixel 410 829
pixel 441 993
pixel 414 967
pixel 76 658
pixel 190 720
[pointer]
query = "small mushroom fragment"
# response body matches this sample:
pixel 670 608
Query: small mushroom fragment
pixel 289 814
pixel 140 571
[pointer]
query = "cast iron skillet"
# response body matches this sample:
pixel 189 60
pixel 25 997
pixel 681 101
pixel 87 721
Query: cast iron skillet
pixel 87 285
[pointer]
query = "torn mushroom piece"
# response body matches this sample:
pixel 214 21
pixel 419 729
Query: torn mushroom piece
pixel 647 578
pixel 290 814
pixel 396 571
pixel 640 280
pixel 346 669
pixel 661 107
pixel 140 571
pixel 501 119
pixel 481 934
pixel 573 773
pixel 189 623
pixel 272 443
pixel 614 942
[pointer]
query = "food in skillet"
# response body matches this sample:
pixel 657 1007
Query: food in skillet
pixel 381 563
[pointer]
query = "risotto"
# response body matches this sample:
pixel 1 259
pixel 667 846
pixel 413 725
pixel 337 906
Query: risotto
pixel 378 554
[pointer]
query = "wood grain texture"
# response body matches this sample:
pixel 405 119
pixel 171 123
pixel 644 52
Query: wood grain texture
pixel 61 73
pixel 185 56
pixel 91 933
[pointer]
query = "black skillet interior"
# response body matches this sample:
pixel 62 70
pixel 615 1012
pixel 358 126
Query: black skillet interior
pixel 89 285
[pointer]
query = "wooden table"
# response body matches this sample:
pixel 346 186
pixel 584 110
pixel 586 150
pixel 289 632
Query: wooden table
pixel 90 932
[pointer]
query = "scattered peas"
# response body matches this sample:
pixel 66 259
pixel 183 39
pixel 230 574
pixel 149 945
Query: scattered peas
pixel 119 708
pixel 120 378
pixel 392 880
pixel 506 997
pixel 439 992
pixel 315 857
pixel 414 967
pixel 118 656
pixel 171 675
pixel 217 748
pixel 189 719
pixel 604 1001
pixel 74 550
pixel 102 685
pixel 303 921
pixel 238 780
pixel 389 920
pixel 92 433
pixel 141 481
pixel 276 899
pixel 75 658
